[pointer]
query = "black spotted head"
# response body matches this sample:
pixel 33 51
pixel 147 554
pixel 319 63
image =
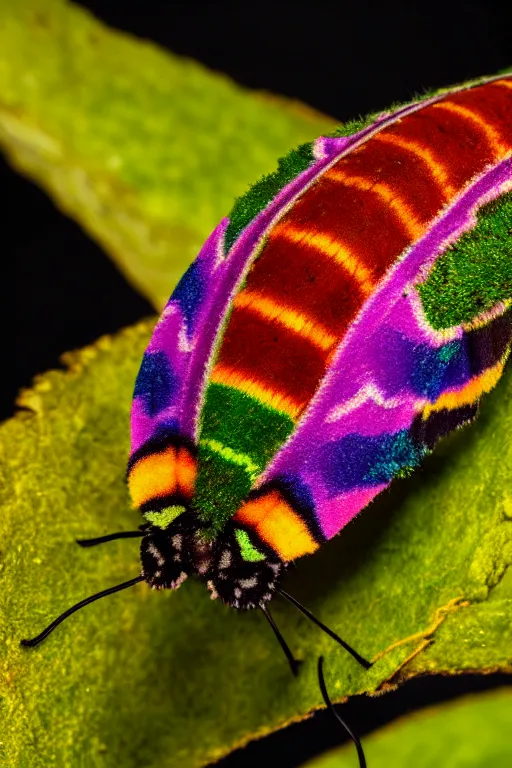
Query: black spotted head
pixel 233 566
pixel 173 549
pixel 241 574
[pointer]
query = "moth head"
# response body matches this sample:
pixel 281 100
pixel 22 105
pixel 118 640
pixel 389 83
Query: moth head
pixel 234 566
pixel 242 575
pixel 173 547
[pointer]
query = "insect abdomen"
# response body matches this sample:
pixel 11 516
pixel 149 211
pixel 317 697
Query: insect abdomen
pixel 319 264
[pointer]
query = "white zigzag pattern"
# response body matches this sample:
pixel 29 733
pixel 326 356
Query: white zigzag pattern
pixel 366 393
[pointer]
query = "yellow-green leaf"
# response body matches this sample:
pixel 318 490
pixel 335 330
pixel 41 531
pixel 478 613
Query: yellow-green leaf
pixel 145 149
pixel 145 678
pixel 471 732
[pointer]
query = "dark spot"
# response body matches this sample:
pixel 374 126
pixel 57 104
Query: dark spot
pixel 41 20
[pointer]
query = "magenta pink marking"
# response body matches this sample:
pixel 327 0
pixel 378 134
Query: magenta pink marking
pixel 334 514
pixel 355 352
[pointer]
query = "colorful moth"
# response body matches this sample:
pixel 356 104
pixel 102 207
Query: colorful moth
pixel 323 340
pixel 352 310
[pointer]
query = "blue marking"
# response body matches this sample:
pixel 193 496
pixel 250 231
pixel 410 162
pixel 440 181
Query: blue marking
pixel 157 384
pixel 298 491
pixel 437 369
pixel 356 461
pixel 189 294
pixel 165 429
pixel 428 371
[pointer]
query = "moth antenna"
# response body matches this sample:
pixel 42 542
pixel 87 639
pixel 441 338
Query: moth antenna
pixel 360 659
pixel 292 661
pixel 330 705
pixel 110 591
pixel 109 537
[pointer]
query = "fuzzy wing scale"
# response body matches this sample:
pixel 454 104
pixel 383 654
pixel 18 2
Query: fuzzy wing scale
pixel 408 384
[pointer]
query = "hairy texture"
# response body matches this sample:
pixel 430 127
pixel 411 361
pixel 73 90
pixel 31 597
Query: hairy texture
pixel 356 237
pixel 247 206
pixel 474 273
pixel 299 357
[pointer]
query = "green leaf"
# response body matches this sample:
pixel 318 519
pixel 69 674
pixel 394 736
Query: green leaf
pixel 148 151
pixel 145 149
pixel 472 732
pixel 154 679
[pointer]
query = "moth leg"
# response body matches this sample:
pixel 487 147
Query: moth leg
pixel 30 643
pixel 357 656
pixel 337 716
pixel 292 661
pixel 110 537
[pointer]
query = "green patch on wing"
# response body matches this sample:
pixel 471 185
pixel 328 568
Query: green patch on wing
pixel 242 423
pixel 475 273
pixel 248 205
pixel 223 481
pixel 427 561
pixel 471 732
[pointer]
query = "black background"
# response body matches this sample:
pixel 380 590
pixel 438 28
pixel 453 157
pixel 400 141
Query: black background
pixel 59 291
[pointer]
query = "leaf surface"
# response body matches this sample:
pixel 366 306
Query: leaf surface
pixel 146 150
pixel 471 732
pixel 153 679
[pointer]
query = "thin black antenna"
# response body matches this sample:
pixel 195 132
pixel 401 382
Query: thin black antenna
pixel 110 591
pixel 293 662
pixel 109 537
pixel 329 704
pixel 360 659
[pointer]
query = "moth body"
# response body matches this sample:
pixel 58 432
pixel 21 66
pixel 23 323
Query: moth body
pixel 330 331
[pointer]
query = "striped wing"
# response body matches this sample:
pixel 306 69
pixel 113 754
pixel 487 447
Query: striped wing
pixel 169 390
pixel 329 379
pixel 164 408
pixel 167 377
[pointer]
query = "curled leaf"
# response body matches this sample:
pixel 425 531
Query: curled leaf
pixel 471 732
pixel 145 149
